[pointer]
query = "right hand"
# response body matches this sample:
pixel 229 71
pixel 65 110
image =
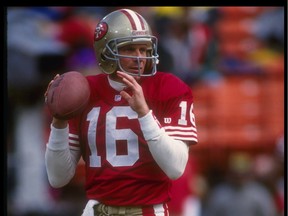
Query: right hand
pixel 50 83
pixel 57 123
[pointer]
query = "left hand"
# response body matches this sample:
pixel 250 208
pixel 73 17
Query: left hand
pixel 137 100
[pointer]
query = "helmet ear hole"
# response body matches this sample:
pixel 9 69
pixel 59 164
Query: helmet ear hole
pixel 108 64
pixel 103 57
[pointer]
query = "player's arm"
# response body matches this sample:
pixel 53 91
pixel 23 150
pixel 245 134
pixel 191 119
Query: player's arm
pixel 170 154
pixel 60 162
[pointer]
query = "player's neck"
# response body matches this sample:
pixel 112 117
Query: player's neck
pixel 116 83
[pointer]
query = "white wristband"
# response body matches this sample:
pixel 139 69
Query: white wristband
pixel 58 139
pixel 149 126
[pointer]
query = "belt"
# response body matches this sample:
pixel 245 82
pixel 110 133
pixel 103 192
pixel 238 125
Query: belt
pixel 104 210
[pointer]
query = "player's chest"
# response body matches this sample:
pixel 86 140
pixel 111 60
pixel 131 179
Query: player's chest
pixel 105 116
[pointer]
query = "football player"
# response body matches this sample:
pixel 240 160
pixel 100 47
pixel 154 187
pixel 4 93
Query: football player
pixel 135 133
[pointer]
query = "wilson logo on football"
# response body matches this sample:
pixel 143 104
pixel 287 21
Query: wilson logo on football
pixel 100 31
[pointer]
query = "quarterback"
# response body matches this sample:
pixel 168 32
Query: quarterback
pixel 135 133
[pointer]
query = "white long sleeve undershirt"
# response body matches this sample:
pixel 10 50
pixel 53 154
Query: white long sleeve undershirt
pixel 170 154
pixel 60 162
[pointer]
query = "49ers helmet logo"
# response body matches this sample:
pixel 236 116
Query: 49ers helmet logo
pixel 100 31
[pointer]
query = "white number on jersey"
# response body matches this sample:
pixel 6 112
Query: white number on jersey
pixel 113 134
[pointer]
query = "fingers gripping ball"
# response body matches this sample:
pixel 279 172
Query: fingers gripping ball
pixel 67 95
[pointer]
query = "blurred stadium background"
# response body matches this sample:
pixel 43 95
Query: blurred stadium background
pixel 232 57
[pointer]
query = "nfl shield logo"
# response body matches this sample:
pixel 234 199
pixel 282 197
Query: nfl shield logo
pixel 117 97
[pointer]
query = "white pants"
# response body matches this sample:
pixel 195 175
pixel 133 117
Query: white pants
pixel 88 210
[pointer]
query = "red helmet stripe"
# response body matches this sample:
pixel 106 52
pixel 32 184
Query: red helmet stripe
pixel 141 21
pixel 135 20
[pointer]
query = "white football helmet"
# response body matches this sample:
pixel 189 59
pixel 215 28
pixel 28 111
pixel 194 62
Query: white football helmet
pixel 120 28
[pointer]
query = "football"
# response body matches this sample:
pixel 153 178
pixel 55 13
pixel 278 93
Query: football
pixel 68 95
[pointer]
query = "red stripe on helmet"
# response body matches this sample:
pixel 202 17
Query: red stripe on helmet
pixel 132 21
pixel 141 21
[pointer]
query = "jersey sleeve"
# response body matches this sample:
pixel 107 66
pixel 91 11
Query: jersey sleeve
pixel 74 134
pixel 174 109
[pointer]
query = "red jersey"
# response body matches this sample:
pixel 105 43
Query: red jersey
pixel 120 169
